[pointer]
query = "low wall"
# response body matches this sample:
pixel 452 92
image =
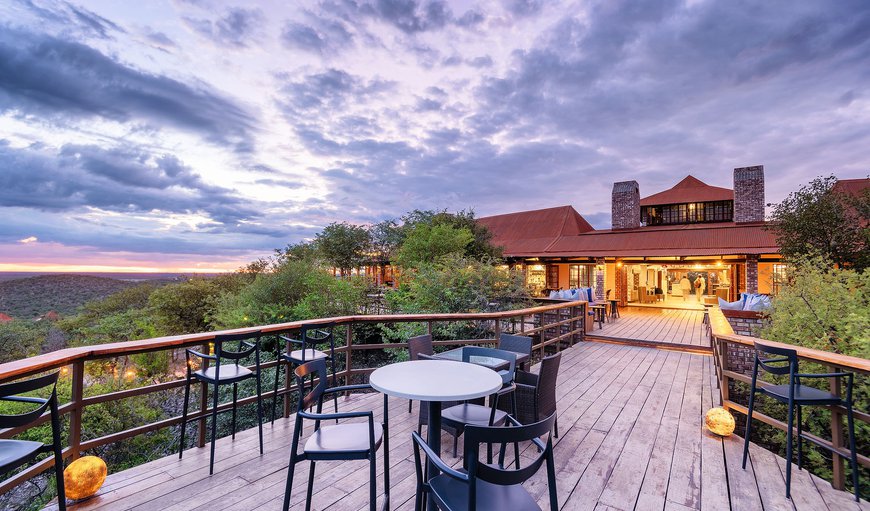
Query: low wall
pixel 745 322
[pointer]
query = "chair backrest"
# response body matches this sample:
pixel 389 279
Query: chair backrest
pixel 507 376
pixel 222 351
pixel 505 476
pixel 546 390
pixel 774 365
pixel 317 369
pixel 313 335
pixel 420 345
pixel 11 391
pixel 607 294
pixel 515 343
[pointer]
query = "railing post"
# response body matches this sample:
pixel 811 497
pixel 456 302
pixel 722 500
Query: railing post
pixel 429 327
pixel 288 347
pixel 75 418
pixel 497 330
pixel 348 343
pixel 203 401
pixel 723 366
pixel 838 479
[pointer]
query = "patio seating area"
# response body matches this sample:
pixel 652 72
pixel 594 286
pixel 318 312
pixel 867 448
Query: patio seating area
pixel 631 437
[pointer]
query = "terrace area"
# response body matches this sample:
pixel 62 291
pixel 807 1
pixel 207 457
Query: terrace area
pixel 631 424
pixel 631 437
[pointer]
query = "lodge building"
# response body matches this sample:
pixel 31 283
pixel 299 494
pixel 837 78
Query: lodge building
pixel 715 238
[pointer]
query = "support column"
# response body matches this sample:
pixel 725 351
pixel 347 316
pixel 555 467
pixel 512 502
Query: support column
pixel 752 274
pixel 621 285
pixel 599 278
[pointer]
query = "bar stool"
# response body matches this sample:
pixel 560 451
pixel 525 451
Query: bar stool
pixel 614 308
pixel 310 337
pixel 796 395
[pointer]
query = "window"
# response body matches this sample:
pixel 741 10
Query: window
pixel 552 276
pixel 578 276
pixel 689 213
pixel 778 277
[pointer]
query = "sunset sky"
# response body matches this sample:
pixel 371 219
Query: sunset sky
pixel 194 135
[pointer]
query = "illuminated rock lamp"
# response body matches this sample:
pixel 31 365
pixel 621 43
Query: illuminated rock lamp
pixel 719 421
pixel 83 477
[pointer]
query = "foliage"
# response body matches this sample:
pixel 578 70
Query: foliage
pixel 426 243
pixel 344 245
pixel 823 307
pixel 34 296
pixel 459 284
pixel 826 308
pixel 297 289
pixel 21 339
pixel 481 245
pixel 184 307
pixel 819 220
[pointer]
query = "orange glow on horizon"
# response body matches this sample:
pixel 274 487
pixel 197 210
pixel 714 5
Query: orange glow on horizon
pixel 85 268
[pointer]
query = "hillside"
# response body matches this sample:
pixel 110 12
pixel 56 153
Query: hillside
pixel 32 297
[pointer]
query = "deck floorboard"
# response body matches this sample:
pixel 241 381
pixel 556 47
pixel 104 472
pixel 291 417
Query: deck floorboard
pixel 678 327
pixel 631 438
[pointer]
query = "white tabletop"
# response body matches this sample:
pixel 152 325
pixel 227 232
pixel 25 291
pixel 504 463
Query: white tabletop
pixel 435 380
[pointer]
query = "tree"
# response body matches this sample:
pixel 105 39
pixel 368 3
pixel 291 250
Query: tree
pixel 344 245
pixel 481 245
pixel 818 219
pixel 428 242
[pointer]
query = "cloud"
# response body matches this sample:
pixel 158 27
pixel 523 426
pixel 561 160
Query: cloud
pixel 86 22
pixel 330 91
pixel 120 179
pixel 45 76
pixel 321 36
pixel 29 239
pixel 235 29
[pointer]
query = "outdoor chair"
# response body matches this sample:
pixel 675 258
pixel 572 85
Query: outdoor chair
pixel 517 344
pixel 15 453
pixel 224 374
pixel 536 393
pixel 483 487
pixel 309 338
pixel 457 417
pixel 345 441
pixel 796 395
pixel 419 345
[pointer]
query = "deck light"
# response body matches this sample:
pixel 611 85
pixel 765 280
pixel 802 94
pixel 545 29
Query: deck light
pixel 83 477
pixel 719 421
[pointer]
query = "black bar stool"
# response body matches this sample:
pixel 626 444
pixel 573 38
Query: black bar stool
pixel 796 395
pixel 310 337
pixel 224 374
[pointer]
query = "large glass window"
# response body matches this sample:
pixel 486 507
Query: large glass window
pixel 578 275
pixel 689 213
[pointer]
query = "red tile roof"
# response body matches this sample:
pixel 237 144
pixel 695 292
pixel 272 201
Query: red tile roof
pixel 5 318
pixel 683 240
pixel 534 230
pixel 690 189
pixel 851 186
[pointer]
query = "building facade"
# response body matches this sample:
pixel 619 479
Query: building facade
pixel 676 245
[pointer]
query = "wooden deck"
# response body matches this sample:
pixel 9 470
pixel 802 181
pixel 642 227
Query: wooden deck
pixel 656 325
pixel 632 437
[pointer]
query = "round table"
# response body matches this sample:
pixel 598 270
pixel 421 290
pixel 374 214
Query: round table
pixel 434 381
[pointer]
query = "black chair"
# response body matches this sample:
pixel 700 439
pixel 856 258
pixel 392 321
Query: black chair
pixel 458 416
pixel 15 453
pixel 419 345
pixel 224 374
pixel 486 487
pixel 345 441
pixel 536 393
pixel 517 344
pixel 795 395
pixel 309 338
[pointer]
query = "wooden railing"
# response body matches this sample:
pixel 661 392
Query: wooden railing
pixel 552 326
pixel 730 366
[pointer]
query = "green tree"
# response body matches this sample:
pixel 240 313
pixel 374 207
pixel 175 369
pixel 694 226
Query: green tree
pixel 344 245
pixel 818 219
pixel 426 243
pixel 21 339
pixel 481 245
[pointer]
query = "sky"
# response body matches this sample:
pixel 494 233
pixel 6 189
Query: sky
pixel 199 135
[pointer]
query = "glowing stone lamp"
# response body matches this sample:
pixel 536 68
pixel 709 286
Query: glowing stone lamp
pixel 83 477
pixel 719 421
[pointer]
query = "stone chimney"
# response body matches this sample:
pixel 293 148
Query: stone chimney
pixel 748 194
pixel 625 205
